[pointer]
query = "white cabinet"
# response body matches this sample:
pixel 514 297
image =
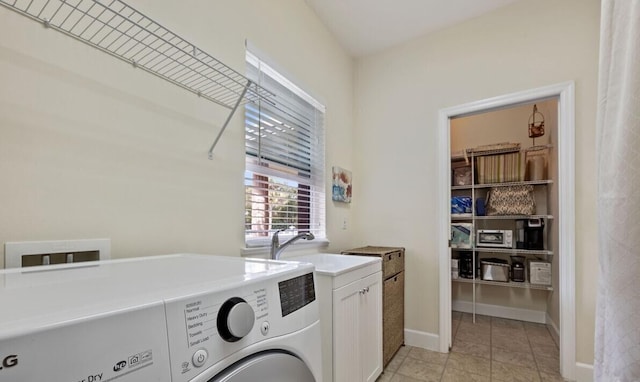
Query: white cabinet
pixel 392 296
pixel 357 330
pixel 349 290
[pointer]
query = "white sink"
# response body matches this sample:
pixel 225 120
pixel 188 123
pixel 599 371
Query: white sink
pixel 332 264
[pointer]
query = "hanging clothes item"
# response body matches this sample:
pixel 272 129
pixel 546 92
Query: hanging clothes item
pixel 617 339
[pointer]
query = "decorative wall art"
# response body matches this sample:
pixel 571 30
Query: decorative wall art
pixel 341 185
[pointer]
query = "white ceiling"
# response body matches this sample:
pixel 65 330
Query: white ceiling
pixel 368 26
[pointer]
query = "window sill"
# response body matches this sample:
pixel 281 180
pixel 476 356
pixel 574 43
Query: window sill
pixel 263 251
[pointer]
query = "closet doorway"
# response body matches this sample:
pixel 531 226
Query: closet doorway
pixel 561 300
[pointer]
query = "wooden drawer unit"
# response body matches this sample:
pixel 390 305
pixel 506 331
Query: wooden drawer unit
pixel 392 263
pixel 393 316
pixel 392 296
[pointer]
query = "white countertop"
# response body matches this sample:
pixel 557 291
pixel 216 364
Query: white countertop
pixel 332 264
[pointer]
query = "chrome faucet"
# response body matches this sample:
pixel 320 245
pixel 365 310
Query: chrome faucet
pixel 276 248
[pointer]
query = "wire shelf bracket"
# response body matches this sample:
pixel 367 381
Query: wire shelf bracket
pixel 120 30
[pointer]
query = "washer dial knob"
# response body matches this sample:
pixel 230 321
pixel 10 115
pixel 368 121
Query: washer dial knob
pixel 235 319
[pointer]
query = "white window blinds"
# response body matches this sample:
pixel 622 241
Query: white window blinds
pixel 284 174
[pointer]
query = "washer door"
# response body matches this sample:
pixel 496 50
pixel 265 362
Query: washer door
pixel 272 366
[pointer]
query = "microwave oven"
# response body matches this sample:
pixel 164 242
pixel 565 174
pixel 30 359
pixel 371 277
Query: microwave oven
pixel 498 238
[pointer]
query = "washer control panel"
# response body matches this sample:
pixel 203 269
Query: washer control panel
pixel 206 328
pixel 295 293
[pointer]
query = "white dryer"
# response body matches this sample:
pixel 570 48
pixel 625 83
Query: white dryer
pixel 167 318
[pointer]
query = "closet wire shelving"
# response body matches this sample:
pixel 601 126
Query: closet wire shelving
pixel 470 155
pixel 118 29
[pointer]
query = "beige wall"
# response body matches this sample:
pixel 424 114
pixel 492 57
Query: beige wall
pixel 503 125
pixel 399 92
pixel 91 147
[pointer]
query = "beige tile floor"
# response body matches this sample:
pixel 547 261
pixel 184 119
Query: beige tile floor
pixel 491 349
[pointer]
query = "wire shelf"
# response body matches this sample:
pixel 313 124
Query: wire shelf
pixel 510 284
pixel 479 152
pixel 509 251
pixel 513 217
pixel 466 217
pixel 505 184
pixel 118 29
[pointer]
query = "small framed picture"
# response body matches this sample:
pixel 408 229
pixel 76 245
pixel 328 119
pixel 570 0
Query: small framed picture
pixel 341 191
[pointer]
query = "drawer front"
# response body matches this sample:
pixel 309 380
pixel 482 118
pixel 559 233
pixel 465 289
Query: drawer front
pixel 392 263
pixel 392 316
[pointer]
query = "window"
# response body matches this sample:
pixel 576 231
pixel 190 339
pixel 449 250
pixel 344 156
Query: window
pixel 284 171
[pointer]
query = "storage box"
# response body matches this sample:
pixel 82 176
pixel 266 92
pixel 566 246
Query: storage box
pixel 461 174
pixel 461 205
pixel 494 270
pixel 539 272
pixel 536 161
pixel 499 168
pixel 461 235
pixel 455 270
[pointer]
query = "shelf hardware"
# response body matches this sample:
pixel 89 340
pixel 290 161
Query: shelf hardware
pixel 233 110
pixel 123 32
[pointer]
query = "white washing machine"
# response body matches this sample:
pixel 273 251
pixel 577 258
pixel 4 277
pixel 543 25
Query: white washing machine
pixel 167 318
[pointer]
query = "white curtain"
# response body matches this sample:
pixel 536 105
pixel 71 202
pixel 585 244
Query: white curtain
pixel 617 342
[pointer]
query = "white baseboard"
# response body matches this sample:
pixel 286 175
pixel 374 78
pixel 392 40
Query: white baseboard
pixel 553 329
pixel 423 340
pixel 584 372
pixel 501 311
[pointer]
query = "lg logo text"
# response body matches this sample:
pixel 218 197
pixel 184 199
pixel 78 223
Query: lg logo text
pixel 9 361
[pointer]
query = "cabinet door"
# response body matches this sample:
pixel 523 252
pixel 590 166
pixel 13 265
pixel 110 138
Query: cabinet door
pixel 357 330
pixel 371 328
pixel 346 337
